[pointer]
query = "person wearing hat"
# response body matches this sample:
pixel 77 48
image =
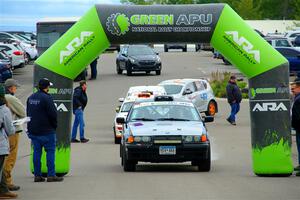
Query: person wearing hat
pixel 80 100
pixel 18 111
pixel 41 130
pixel 7 129
pixel 295 89
pixel 234 98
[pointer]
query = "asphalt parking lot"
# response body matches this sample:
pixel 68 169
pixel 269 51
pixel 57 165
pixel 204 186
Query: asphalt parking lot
pixel 96 172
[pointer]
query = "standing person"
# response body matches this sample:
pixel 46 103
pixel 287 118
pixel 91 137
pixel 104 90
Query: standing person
pixel 80 100
pixel 295 89
pixel 41 130
pixel 93 66
pixel 6 130
pixel 18 111
pixel 234 98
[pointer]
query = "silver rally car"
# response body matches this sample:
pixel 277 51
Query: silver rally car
pixel 164 129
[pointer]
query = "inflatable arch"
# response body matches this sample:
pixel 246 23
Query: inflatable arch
pixel 266 69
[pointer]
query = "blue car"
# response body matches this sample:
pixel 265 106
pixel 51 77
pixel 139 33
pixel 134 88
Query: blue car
pixel 293 56
pixel 164 129
pixel 5 68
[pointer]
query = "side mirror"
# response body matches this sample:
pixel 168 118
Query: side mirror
pixel 121 100
pixel 187 91
pixel 208 119
pixel 120 120
pixel 156 53
pixel 123 54
pixel 118 109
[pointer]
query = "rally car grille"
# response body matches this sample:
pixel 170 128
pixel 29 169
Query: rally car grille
pixel 147 62
pixel 167 140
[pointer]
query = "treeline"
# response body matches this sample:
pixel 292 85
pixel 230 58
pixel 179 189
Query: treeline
pixel 247 9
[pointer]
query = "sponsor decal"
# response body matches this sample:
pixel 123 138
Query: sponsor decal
pixel 243 46
pixel 59 91
pixel 269 106
pixel 61 107
pixel 119 24
pixel 76 46
pixel 257 91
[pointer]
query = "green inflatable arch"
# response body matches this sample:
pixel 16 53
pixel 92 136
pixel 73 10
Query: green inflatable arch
pixel 267 70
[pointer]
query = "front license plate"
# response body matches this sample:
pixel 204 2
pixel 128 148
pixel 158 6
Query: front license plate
pixel 167 150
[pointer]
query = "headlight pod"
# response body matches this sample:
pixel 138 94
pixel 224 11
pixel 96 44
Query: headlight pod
pixel 139 139
pixel 194 138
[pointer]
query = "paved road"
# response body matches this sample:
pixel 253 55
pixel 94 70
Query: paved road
pixel 96 172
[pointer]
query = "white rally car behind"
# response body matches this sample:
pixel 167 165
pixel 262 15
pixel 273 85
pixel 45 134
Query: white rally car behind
pixel 134 93
pixel 198 91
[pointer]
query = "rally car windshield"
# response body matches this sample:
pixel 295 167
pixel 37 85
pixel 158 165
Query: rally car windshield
pixel 172 89
pixel 164 113
pixel 126 107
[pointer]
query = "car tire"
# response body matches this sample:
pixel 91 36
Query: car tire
pixel 158 72
pixel 166 49
pixel 128 166
pixel 184 49
pixel 129 72
pixel 205 164
pixel 117 140
pixel 119 70
pixel 211 109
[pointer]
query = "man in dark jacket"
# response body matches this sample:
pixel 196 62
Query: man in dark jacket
pixel 295 89
pixel 234 98
pixel 79 103
pixel 41 130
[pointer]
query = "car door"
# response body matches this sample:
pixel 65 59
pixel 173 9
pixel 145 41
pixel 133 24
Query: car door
pixel 202 96
pixel 123 57
pixel 192 95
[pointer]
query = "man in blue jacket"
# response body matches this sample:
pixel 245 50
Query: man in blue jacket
pixel 234 98
pixel 79 103
pixel 41 130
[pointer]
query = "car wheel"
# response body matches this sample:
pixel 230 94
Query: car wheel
pixel 119 70
pixel 204 165
pixel 184 49
pixel 117 140
pixel 158 72
pixel 166 49
pixel 128 166
pixel 129 72
pixel 211 109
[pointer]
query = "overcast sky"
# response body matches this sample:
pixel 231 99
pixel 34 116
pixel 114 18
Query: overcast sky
pixel 25 13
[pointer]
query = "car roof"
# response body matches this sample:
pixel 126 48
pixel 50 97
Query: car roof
pixel 275 38
pixel 145 88
pixel 181 81
pixel 152 99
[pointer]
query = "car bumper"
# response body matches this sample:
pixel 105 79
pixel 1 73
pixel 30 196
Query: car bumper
pixel 138 67
pixel 184 152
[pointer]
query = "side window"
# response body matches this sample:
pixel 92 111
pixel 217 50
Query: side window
pixel 191 86
pixel 288 52
pixel 199 85
pixel 6 48
pixel 125 50
pixel 294 34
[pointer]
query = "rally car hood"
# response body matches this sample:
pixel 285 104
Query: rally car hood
pixel 143 128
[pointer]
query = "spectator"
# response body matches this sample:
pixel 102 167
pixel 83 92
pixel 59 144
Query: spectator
pixel 93 69
pixel 295 89
pixel 6 130
pixel 18 111
pixel 41 130
pixel 234 98
pixel 80 100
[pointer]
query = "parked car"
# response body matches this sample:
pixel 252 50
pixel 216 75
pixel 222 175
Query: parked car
pixel 164 129
pixel 291 35
pixel 278 41
pixel 134 93
pixel 5 68
pixel 30 49
pixel 175 46
pixel 297 41
pixel 26 35
pixel 17 55
pixel 293 56
pixel 136 58
pixel 197 91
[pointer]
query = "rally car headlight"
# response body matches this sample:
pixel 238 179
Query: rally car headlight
pixel 132 60
pixel 143 139
pixel 194 138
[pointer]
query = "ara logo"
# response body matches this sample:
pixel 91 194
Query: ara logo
pixel 61 107
pixel 270 106
pixel 74 44
pixel 245 44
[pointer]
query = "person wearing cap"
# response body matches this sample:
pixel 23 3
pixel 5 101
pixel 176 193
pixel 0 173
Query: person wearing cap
pixel 234 98
pixel 7 129
pixel 18 111
pixel 41 130
pixel 80 100
pixel 295 89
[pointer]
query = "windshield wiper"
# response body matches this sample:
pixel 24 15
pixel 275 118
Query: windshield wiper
pixel 143 119
pixel 172 119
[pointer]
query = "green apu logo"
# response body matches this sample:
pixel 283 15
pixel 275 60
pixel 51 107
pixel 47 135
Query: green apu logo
pixel 256 91
pixel 118 24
